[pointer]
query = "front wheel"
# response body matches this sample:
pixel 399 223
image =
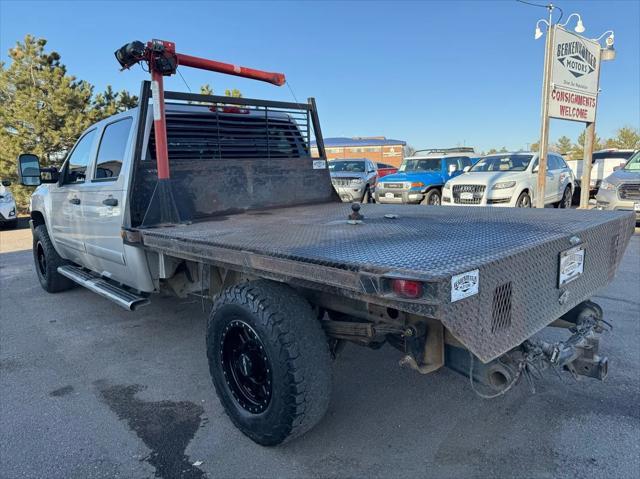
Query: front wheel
pixel 432 198
pixel 269 360
pixel 47 260
pixel 524 200
pixel 366 197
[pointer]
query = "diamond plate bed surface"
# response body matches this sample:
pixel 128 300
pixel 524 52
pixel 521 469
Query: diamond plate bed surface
pixel 515 250
pixel 432 241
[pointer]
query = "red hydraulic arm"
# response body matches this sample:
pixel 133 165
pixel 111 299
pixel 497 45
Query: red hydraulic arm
pixel 163 61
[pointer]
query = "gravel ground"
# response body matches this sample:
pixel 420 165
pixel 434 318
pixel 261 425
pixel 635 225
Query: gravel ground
pixel 88 390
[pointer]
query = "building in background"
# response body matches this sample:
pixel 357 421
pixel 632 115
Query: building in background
pixel 378 149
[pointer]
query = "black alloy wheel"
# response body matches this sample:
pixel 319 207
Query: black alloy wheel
pixel 246 367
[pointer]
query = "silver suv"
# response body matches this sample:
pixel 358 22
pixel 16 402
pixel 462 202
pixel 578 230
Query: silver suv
pixel 354 179
pixel 621 189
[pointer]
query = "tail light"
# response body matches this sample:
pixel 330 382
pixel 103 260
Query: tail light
pixel 407 288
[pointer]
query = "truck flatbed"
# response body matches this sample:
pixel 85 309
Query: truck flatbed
pixel 315 243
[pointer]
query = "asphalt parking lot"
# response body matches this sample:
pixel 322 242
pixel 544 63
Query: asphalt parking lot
pixel 89 390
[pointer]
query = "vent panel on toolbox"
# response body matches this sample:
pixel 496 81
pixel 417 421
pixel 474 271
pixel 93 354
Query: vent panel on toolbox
pixel 514 245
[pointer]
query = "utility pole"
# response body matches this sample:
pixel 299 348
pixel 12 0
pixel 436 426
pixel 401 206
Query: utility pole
pixel 544 130
pixel 587 159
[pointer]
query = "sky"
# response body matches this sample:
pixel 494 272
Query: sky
pixel 432 73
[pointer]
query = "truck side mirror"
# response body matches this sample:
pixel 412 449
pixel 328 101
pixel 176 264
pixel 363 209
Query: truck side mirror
pixel 6 183
pixel 466 168
pixel 29 169
pixel 452 169
pixel 31 174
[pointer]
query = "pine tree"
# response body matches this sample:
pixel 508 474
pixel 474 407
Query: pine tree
pixel 43 109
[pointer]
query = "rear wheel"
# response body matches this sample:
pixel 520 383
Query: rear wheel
pixel 565 202
pixel 269 360
pixel 524 200
pixel 432 198
pixel 47 260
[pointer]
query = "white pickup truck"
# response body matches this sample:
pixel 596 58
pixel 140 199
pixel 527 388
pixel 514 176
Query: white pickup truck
pixel 294 273
pixel 604 163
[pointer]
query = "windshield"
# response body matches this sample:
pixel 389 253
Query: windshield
pixel 351 166
pixel 430 164
pixel 503 163
pixel 634 163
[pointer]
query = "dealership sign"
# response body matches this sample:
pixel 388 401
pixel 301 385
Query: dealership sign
pixel 574 77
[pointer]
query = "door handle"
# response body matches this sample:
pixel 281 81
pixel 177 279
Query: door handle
pixel 74 201
pixel 110 202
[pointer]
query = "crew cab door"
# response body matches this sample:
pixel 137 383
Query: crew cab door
pixel 103 197
pixel 66 200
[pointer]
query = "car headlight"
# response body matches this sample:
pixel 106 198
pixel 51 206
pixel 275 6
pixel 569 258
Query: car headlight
pixel 7 198
pixel 447 186
pixel 505 185
pixel 605 185
pixel 357 181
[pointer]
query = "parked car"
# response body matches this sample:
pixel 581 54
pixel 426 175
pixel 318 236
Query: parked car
pixel 385 169
pixel 421 177
pixel 621 189
pixel 354 179
pixel 510 179
pixel 604 162
pixel 8 213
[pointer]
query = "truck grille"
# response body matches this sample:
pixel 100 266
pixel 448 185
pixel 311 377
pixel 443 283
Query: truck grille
pixel 476 190
pixel 393 186
pixel 629 191
pixel 342 181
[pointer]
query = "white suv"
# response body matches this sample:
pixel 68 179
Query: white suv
pixel 8 213
pixel 510 179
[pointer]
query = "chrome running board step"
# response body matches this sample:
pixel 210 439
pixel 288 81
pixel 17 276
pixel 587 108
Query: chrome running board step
pixel 122 297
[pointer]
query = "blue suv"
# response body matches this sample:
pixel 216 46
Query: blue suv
pixel 421 177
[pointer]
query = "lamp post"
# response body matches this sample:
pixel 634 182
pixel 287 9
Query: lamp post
pixel 606 54
pixel 546 86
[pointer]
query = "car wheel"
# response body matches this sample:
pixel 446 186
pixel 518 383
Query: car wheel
pixel 269 360
pixel 432 198
pixel 524 200
pixel 565 202
pixel 47 260
pixel 366 198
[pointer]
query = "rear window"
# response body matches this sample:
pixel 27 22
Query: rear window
pixel 211 136
pixel 614 155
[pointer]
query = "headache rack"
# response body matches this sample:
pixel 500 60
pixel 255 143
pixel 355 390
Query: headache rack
pixel 228 154
pixel 229 127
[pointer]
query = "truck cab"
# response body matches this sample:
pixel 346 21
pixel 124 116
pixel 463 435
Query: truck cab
pixel 420 178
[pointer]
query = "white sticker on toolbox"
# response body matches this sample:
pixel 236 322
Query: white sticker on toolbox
pixel 319 164
pixel 464 285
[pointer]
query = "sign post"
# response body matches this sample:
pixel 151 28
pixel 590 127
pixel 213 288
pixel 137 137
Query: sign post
pixel 569 92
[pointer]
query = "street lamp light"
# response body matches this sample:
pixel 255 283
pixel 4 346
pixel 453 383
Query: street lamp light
pixel 608 53
pixel 579 26
pixel 538 33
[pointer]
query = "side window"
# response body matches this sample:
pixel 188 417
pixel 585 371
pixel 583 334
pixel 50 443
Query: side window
pixel 554 164
pixel 562 163
pixel 452 161
pixel 77 164
pixel 111 150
